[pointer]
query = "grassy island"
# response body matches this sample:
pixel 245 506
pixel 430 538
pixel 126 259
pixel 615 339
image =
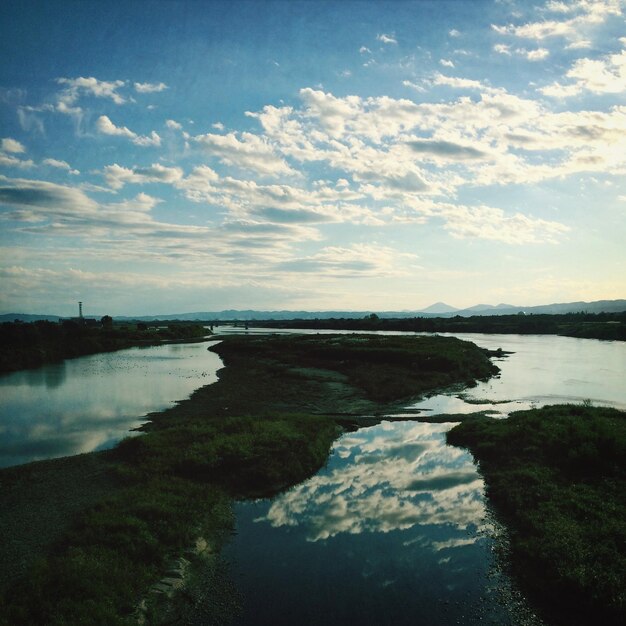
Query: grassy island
pixel 557 477
pixel 104 538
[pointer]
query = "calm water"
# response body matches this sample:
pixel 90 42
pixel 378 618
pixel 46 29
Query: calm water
pixel 90 403
pixel 392 531
pixel 542 370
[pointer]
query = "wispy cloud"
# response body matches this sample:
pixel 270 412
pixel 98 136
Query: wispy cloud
pixel 149 87
pixel 386 38
pixel 117 176
pixel 74 88
pixel 61 165
pixel 573 20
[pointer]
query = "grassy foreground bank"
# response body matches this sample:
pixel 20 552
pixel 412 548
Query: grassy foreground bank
pixel 557 476
pixel 265 425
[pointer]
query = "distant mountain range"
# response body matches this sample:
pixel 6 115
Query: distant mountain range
pixel 439 309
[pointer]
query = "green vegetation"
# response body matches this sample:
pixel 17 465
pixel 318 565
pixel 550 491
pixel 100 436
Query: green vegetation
pixel 251 433
pixel 610 326
pixel 26 345
pixel 174 485
pixel 384 368
pixel 557 475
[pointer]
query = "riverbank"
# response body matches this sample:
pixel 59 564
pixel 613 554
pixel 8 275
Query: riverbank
pixel 263 426
pixel 28 345
pixel 606 326
pixel 557 478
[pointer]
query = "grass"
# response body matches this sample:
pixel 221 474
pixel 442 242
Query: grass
pixel 557 475
pixel 384 368
pixel 252 433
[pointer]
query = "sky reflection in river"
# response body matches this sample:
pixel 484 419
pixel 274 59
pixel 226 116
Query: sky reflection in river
pixel 390 477
pixel 90 403
pixel 392 531
pixel 543 369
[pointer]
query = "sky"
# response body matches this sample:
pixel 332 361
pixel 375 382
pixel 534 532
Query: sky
pixel 178 156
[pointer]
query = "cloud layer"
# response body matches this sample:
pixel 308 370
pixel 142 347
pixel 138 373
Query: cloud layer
pixel 479 143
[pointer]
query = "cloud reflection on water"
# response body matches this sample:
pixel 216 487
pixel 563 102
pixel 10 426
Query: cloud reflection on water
pixel 389 477
pixel 90 403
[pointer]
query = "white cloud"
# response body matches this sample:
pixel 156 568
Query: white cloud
pixel 77 87
pixel 559 7
pixel 605 75
pixel 153 139
pixel 580 44
pixel 418 88
pixel 538 54
pixel 534 55
pixel 485 222
pixel 454 33
pixel 446 150
pixel 8 160
pixel 364 49
pixel 173 125
pixel 117 176
pixel 62 165
pixel 459 83
pixel 248 151
pixel 446 63
pixel 12 145
pixel 386 38
pixel 49 197
pixel 142 202
pixel 149 87
pixel 588 15
pixel 358 260
pixel 105 126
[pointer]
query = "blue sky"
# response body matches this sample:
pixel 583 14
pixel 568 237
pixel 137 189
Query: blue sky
pixel 162 157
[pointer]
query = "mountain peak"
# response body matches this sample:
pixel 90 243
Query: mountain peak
pixel 439 307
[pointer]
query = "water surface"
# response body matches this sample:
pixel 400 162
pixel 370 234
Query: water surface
pixel 90 403
pixel 543 369
pixel 394 530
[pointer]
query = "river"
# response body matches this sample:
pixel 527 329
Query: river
pixel 91 403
